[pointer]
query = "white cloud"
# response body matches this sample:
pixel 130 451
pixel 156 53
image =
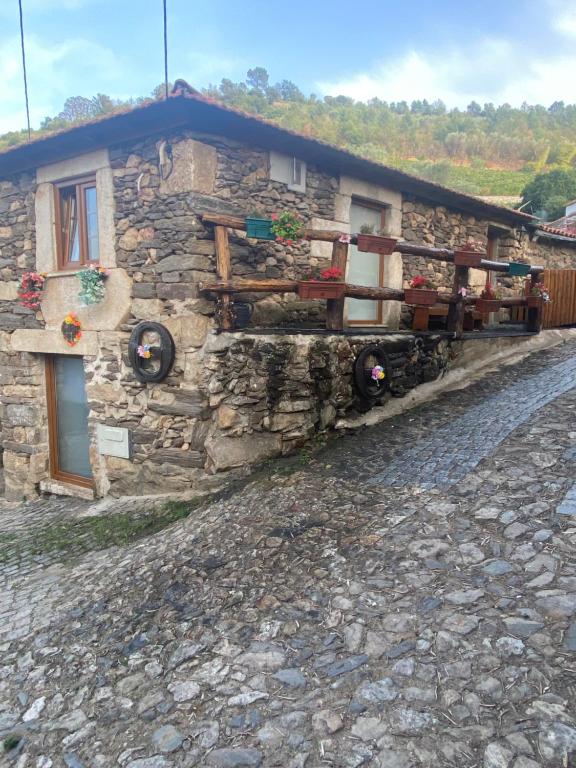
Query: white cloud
pixel 493 69
pixel 54 73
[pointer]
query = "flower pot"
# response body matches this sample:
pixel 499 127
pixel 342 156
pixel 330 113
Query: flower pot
pixel 376 244
pixel 534 302
pixel 518 270
pixel 318 289
pixel 423 297
pixel 485 306
pixel 261 229
pixel 467 259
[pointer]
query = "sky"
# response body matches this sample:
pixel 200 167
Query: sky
pixel 458 51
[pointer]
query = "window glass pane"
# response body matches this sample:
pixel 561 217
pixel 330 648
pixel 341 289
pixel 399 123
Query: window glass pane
pixel 91 206
pixel 364 268
pixel 72 416
pixel 70 236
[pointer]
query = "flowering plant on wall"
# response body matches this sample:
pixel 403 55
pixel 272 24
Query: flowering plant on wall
pixel 92 282
pixel 324 275
pixel 30 290
pixel 287 227
pixel 71 329
pixel 421 282
pixel 540 291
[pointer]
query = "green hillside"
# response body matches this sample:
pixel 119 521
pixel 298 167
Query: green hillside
pixel 482 150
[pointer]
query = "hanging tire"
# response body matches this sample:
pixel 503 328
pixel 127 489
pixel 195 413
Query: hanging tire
pixel 157 365
pixel 369 389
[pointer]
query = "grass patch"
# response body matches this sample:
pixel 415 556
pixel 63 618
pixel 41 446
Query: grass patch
pixel 10 742
pixel 92 533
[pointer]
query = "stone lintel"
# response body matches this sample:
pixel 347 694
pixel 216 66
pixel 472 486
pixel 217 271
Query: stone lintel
pixel 48 342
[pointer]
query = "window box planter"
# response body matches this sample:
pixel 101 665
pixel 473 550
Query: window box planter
pixel 485 306
pixel 422 297
pixel 376 244
pixel 519 270
pixel 467 259
pixel 318 289
pixel 261 229
pixel 534 302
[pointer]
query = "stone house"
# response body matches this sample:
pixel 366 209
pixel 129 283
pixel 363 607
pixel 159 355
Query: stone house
pixel 126 192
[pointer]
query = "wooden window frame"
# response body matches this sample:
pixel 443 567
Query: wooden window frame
pixel 384 209
pixel 52 406
pixel 80 184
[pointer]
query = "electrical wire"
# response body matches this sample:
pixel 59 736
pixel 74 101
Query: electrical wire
pixel 165 52
pixel 24 69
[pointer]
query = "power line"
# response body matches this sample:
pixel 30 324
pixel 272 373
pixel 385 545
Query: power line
pixel 24 68
pixel 165 52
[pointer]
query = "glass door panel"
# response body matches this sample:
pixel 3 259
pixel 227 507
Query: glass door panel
pixel 69 423
pixel 364 268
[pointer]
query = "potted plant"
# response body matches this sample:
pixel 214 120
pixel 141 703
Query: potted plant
pixel 490 300
pixel 422 292
pixel 259 227
pixel 92 282
pixel 470 255
pixel 367 242
pixel 322 284
pixel 518 270
pixel 71 329
pixel 538 295
pixel 287 227
pixel 30 289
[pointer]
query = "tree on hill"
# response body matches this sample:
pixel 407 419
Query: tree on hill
pixel 547 194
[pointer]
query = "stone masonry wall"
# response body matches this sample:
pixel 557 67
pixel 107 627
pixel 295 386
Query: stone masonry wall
pixel 270 394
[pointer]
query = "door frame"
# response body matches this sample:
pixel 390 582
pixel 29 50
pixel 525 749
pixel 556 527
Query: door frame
pixel 383 209
pixel 52 406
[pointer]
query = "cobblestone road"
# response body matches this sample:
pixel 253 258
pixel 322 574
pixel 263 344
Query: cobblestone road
pixel 358 611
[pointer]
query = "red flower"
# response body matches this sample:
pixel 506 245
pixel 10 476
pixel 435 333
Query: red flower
pixel 274 217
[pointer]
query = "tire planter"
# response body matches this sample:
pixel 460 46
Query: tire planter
pixel 317 289
pixel 376 244
pixel 157 367
pixel 261 229
pixel 467 259
pixel 518 270
pixel 421 297
pixel 369 389
pixel 534 302
pixel 485 306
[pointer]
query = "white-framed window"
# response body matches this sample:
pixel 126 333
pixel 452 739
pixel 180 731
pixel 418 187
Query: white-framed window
pixel 289 170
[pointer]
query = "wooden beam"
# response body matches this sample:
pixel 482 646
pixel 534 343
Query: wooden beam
pixel 225 309
pixel 421 318
pixel 335 307
pixel 235 222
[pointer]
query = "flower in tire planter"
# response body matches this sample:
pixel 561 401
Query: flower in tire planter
pixel 92 284
pixel 260 229
pixel 421 292
pixel 323 284
pixel 71 329
pixel 30 289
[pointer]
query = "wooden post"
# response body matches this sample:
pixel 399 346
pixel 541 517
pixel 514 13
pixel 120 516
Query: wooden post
pixel 225 307
pixel 455 322
pixel 421 318
pixel 335 307
pixel 533 314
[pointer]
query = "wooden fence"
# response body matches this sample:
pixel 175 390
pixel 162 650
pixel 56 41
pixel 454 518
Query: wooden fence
pixel 561 311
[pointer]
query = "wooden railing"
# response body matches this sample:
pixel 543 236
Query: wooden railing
pixel 226 286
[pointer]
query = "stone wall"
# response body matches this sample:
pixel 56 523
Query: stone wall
pixel 268 395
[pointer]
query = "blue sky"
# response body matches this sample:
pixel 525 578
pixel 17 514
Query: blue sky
pixel 459 50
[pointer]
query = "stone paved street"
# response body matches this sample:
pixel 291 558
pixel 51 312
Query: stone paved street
pixel 403 598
